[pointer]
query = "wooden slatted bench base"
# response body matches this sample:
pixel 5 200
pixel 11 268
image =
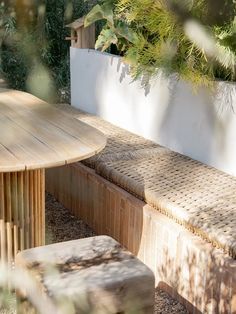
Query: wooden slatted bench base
pixel 198 275
pixel 94 275
pixel 22 210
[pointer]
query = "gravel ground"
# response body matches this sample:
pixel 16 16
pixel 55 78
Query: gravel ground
pixel 62 226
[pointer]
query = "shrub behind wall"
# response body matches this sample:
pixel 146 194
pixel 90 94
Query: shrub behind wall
pixel 39 42
pixel 195 39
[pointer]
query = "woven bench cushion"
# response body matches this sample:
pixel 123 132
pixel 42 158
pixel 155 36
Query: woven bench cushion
pixel 193 194
pixel 201 198
pixel 120 143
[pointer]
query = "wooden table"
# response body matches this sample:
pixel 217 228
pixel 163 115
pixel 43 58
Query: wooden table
pixel 33 136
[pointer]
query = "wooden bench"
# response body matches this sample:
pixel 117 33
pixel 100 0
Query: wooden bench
pixel 91 275
pixel 176 214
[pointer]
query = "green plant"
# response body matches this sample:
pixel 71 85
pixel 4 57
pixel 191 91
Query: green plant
pixel 115 30
pixel 34 53
pixel 185 37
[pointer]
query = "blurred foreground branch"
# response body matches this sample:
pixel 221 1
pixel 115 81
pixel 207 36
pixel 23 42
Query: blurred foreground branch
pixel 21 280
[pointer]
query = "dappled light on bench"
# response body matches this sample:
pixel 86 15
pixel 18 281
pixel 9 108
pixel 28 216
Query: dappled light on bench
pixel 152 200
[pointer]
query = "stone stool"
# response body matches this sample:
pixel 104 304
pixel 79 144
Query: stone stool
pixel 96 275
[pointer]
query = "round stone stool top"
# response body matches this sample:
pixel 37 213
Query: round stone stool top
pixel 93 273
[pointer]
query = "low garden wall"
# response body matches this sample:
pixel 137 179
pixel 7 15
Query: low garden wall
pixel 200 124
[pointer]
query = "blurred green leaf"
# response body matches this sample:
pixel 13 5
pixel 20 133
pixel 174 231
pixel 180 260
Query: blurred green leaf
pixel 123 30
pixel 100 12
pixel 105 39
pixel 43 39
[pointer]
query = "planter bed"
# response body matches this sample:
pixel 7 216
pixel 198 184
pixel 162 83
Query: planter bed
pixel 189 247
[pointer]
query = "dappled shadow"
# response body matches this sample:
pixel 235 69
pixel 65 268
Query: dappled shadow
pixel 102 275
pixel 193 268
pixel 169 111
pixel 200 124
pixel 201 277
pixel 173 292
pixel 193 194
pixel 123 69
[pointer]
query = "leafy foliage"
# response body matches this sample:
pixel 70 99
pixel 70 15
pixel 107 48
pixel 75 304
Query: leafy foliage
pixel 115 31
pixel 187 37
pixel 33 42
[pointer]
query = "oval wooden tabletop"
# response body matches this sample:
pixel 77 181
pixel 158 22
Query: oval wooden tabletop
pixel 35 134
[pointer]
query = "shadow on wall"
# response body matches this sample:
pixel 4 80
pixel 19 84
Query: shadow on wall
pixel 179 124
pixel 124 71
pixel 200 124
pixel 201 129
pixel 126 102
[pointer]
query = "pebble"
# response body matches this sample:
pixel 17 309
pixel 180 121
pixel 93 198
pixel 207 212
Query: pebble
pixel 61 225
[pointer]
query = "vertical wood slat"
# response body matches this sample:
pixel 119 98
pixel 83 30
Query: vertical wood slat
pixel 8 214
pixel 172 252
pixel 36 207
pixel 15 211
pixel 26 207
pixel 42 206
pixel 20 207
pixel 2 219
pixel 31 207
pixel 22 212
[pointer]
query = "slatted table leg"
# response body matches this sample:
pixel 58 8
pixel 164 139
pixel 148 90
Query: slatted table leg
pixel 22 212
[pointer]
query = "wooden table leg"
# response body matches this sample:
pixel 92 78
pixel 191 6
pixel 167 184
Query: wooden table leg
pixel 22 212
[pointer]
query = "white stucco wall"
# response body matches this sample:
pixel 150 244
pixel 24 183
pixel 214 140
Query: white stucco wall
pixel 199 124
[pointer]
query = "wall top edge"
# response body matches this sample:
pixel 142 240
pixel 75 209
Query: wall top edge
pixel 96 52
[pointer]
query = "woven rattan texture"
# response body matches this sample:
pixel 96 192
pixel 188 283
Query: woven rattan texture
pixel 193 194
pixel 121 144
